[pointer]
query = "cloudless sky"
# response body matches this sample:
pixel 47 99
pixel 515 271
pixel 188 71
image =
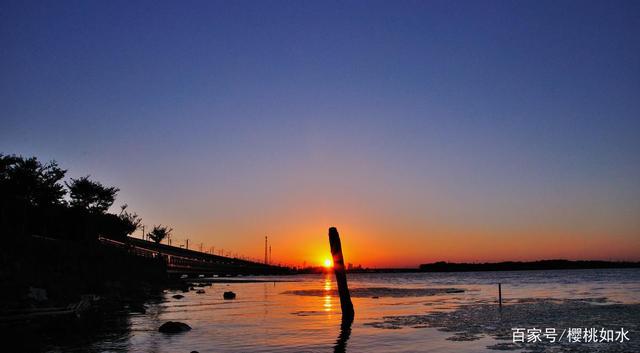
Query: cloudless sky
pixel 423 130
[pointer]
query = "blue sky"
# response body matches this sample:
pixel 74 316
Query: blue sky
pixel 443 119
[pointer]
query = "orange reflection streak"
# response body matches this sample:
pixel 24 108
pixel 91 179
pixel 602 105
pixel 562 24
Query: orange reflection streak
pixel 327 284
pixel 327 297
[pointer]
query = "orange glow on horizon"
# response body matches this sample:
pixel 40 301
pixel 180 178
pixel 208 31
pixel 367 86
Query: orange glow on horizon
pixel 369 242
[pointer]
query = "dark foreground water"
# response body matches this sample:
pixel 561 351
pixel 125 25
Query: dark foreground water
pixel 413 312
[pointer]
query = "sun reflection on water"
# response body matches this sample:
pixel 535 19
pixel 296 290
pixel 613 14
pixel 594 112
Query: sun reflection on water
pixel 327 296
pixel 327 284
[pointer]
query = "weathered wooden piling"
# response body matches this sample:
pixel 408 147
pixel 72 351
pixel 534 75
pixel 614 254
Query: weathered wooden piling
pixel 500 294
pixel 339 270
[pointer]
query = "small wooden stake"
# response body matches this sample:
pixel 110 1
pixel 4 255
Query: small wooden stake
pixel 339 270
pixel 500 294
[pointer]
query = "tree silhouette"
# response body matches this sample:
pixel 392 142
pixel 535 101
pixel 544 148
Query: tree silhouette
pixel 130 222
pixel 159 233
pixel 91 195
pixel 28 189
pixel 31 182
pixel 32 201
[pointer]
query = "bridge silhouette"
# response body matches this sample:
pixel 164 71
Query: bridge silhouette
pixel 180 261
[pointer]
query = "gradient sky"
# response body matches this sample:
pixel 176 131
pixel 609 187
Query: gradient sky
pixel 423 130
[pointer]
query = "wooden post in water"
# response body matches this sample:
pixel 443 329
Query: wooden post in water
pixel 500 294
pixel 339 270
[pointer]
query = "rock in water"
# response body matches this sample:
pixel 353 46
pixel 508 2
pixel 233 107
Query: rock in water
pixel 178 296
pixel 229 295
pixel 174 327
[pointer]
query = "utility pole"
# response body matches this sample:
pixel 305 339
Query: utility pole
pixel 143 235
pixel 270 259
pixel 200 247
pixel 187 246
pixel 265 250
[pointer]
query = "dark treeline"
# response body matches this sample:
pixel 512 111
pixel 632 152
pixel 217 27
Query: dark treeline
pixel 49 226
pixel 34 200
pixel 522 266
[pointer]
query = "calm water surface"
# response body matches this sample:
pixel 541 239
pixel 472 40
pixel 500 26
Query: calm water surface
pixel 265 318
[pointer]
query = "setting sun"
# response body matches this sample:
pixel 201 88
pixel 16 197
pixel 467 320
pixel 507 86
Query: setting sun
pixel 328 263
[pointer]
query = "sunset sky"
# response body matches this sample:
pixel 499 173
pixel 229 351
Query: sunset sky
pixel 422 130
